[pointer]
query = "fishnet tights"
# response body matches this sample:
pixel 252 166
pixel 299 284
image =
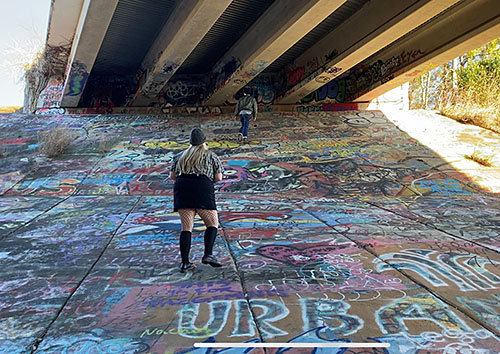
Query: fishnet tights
pixel 209 217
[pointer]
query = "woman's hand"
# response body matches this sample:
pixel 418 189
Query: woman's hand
pixel 172 176
pixel 217 177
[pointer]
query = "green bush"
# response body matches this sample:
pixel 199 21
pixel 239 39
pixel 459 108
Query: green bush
pixel 466 89
pixel 480 73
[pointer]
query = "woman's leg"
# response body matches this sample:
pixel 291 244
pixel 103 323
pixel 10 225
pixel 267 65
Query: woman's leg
pixel 209 217
pixel 187 221
pixel 211 220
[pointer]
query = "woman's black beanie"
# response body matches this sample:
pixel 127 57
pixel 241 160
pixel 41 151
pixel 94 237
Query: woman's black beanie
pixel 197 137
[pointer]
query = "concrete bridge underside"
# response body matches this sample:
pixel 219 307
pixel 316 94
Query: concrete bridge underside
pixel 131 53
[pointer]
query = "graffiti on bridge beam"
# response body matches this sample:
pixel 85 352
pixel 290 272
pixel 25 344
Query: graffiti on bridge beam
pixel 361 78
pixel 183 92
pixel 334 90
pixel 78 75
pixel 156 80
pixel 222 74
pixel 255 69
pixel 329 107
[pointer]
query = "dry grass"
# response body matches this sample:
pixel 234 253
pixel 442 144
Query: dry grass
pixel 106 145
pixel 480 159
pixel 9 109
pixel 477 107
pixel 55 142
pixel 49 63
pixel 488 118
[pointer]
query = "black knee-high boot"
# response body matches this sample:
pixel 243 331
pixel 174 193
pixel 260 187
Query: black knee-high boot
pixel 208 258
pixel 185 245
pixel 210 235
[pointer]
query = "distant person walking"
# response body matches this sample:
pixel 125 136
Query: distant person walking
pixel 246 108
pixel 195 170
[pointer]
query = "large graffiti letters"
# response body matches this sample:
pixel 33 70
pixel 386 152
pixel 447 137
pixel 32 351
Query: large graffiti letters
pixel 332 315
pixel 391 318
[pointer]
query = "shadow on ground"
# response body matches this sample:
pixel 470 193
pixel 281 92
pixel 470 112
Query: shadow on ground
pixel 337 227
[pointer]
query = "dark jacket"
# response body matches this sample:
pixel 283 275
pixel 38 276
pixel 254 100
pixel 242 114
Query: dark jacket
pixel 246 102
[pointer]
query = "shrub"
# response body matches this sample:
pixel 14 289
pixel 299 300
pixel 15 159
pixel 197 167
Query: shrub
pixel 55 142
pixel 475 99
pixel 466 89
pixel 478 105
pixel 480 159
pixel 106 145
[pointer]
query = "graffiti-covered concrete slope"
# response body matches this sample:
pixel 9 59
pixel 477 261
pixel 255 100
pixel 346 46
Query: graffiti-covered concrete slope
pixel 335 227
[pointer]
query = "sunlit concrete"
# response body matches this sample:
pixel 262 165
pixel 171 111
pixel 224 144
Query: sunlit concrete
pixel 63 20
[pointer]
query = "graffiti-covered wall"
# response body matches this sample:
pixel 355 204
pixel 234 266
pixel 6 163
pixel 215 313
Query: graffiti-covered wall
pixel 104 93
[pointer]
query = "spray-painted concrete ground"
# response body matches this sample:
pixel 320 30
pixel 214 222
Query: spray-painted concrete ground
pixel 336 227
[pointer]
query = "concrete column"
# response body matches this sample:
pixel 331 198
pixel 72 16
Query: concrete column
pixel 187 25
pixel 465 27
pixel 373 27
pixel 278 29
pixel 92 26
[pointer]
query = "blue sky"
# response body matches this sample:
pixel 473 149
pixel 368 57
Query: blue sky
pixel 23 25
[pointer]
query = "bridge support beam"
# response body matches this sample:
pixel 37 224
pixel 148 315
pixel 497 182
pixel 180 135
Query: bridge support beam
pixel 186 27
pixel 283 25
pixel 63 19
pixel 466 27
pixel 376 25
pixel 92 26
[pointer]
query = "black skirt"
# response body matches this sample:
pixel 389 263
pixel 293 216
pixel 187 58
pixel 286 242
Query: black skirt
pixel 194 192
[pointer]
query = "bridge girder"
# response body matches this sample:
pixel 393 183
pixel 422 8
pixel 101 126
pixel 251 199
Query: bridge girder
pixel 421 33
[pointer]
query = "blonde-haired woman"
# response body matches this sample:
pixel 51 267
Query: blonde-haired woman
pixel 195 170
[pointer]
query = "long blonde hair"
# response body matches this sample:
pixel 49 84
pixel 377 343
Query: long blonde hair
pixel 191 159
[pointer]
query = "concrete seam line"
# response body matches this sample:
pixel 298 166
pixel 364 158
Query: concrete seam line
pixel 433 293
pixel 245 292
pixel 436 228
pixel 77 189
pixel 21 180
pixel 75 288
pixel 36 217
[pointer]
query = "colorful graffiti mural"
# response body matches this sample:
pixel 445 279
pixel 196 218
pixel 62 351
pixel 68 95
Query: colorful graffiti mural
pixel 78 75
pixel 336 227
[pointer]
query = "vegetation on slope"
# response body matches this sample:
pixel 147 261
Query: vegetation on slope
pixel 466 89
